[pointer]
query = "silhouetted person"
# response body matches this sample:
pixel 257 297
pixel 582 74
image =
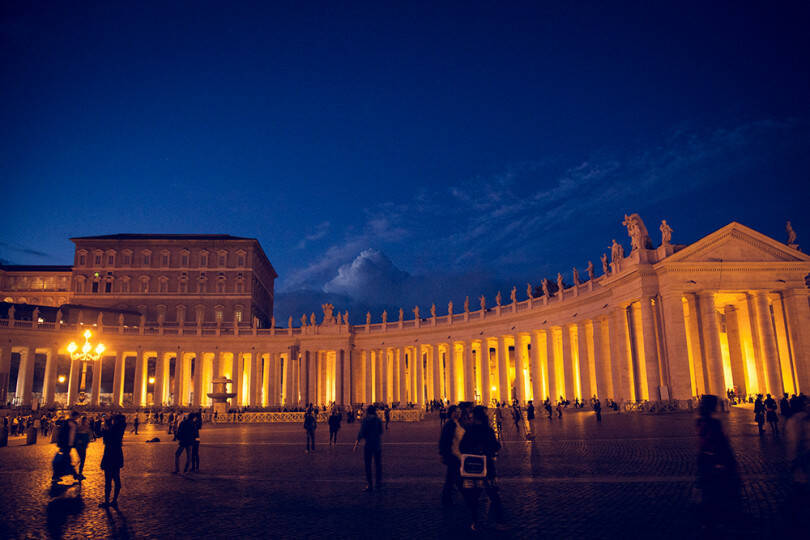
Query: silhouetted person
pixel 759 414
pixel 334 426
pixel 716 469
pixel 113 459
pixel 371 430
pixel 479 439
pixel 449 453
pixel 498 421
pixel 135 423
pixel 185 440
pixel 387 416
pixel 784 406
pixel 597 408
pixel 770 414
pixel 82 442
pixel 309 426
pixel 530 415
pixel 196 420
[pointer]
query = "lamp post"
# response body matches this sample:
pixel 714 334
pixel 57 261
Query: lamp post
pixel 85 354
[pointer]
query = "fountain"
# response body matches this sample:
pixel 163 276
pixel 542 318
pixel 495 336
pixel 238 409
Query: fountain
pixel 220 395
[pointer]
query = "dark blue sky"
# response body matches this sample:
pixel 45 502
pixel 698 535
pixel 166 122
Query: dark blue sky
pixel 468 146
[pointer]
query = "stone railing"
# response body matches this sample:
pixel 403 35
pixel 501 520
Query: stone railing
pixel 397 415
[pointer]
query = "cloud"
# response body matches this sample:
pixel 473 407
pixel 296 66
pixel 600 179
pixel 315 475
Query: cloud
pixel 371 277
pixel 320 231
pixel 23 249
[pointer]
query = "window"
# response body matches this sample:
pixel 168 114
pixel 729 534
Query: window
pixel 218 312
pixel 240 259
pixel 164 259
pixel 108 286
pixel 82 260
pixel 238 315
pixel 147 258
pixel 144 284
pixel 98 259
pixel 127 259
pixel 95 286
pixel 184 259
pixel 221 284
pixel 203 259
pixel 164 285
pixel 183 284
pixel 222 259
pixel 125 285
pixel 201 285
pixel 110 260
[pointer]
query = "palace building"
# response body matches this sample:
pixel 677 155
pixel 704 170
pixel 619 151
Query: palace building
pixel 663 322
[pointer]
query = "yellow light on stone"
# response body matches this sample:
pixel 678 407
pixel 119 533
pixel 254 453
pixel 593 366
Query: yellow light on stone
pixel 86 347
pixel 151 380
pixel 494 388
pixel 61 378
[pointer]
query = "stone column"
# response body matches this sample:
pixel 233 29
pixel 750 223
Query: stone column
pixel 568 364
pixel 25 377
pixel 735 349
pixel 767 343
pixel 601 360
pixel 453 387
pixel 367 367
pixel 420 378
pixel 693 333
pixel 520 385
pixel 256 381
pixel 677 349
pixel 619 356
pixel 118 378
pixel 798 314
pixel 711 340
pixel 49 384
pixel 139 385
pixel 585 363
pixel 551 368
pixel 74 379
pixel 650 349
pixel 403 392
pixel 96 391
pixel 269 376
pixel 5 372
pixel 486 379
pixel 160 376
pixel 199 370
pixel 180 375
pixel 379 375
pixel 503 371
pixel 536 370
pixel 437 372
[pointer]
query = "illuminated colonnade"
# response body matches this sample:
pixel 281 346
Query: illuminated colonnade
pixel 729 311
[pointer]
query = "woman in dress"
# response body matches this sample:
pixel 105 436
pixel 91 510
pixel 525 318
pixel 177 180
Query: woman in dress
pixel 113 459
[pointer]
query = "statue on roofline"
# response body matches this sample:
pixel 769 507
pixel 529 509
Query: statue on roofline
pixel 560 284
pixel 576 276
pixel 498 299
pixel 616 252
pixel 385 316
pixel 604 260
pixel 639 237
pixel 589 269
pixel 529 292
pixel 433 310
pixel 546 292
pixel 513 295
pixel 482 300
pixel 466 304
pixel 666 233
pixel 368 317
pixel 791 234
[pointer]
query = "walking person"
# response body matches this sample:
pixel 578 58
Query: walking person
pixel 135 423
pixel 517 418
pixel 451 435
pixel 196 421
pixel 499 421
pixel 4 432
pixel 371 430
pixel 113 459
pixel 185 440
pixel 530 418
pixel 334 425
pixel 83 431
pixel 310 425
pixel 65 439
pixel 479 439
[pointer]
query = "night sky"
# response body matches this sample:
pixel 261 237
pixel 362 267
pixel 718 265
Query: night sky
pixel 389 155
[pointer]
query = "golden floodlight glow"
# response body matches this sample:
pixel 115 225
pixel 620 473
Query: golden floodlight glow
pixel 87 334
pixel 494 388
pixel 151 380
pixel 61 378
pixel 72 347
pixel 100 348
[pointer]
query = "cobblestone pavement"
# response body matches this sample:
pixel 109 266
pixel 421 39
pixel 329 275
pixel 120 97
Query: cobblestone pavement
pixel 630 476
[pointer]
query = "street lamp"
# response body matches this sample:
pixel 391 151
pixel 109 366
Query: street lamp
pixel 85 354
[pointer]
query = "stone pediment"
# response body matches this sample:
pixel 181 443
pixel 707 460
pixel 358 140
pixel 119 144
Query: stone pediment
pixel 737 243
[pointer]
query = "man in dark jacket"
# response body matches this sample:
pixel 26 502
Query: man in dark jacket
pixel 371 430
pixel 480 439
pixel 452 479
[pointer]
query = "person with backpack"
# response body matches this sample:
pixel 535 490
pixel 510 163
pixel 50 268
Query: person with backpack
pixel 479 440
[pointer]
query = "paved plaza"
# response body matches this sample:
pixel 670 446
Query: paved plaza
pixel 631 476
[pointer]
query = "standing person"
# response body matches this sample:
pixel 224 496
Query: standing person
pixel 759 414
pixel 771 416
pixel 784 406
pixel 717 469
pixel 517 417
pixel 65 439
pixel 797 433
pixel 4 432
pixel 559 409
pixel 171 422
pixel 113 459
pixel 83 431
pixel 479 439
pixel 185 440
pixel 499 421
pixel 597 408
pixel 136 423
pixel 530 416
pixel 547 406
pixel 449 453
pixel 334 426
pixel 310 425
pixel 371 430
pixel 195 446
pixel 387 416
